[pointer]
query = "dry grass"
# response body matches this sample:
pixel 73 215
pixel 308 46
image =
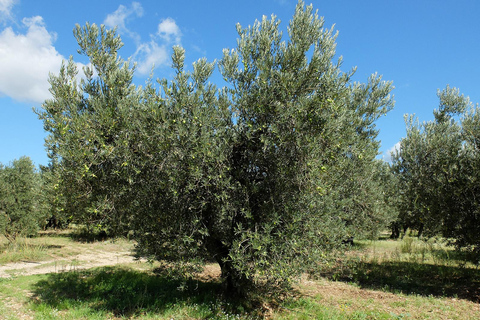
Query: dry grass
pixel 51 245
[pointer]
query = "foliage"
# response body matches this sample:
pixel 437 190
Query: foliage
pixel 52 198
pixel 21 207
pixel 438 170
pixel 263 176
pixel 88 125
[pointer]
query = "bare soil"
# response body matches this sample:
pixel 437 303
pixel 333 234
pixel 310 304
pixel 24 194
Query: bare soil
pixel 63 254
pixel 78 262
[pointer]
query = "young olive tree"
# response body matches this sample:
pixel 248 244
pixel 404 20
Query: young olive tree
pixel 263 176
pixel 21 210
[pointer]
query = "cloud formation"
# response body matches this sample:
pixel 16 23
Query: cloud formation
pixel 26 60
pixel 148 54
pixel 120 17
pixel 156 53
pixel 169 31
pixel 29 55
pixel 6 9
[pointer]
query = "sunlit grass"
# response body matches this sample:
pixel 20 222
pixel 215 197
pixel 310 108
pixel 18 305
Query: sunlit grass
pixel 334 300
pixel 409 266
pixel 387 279
pixel 435 251
pixel 56 245
pixel 23 249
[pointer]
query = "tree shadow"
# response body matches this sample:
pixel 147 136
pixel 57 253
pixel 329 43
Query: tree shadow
pixel 89 236
pixel 126 292
pixel 50 246
pixel 78 234
pixel 418 278
pixel 457 256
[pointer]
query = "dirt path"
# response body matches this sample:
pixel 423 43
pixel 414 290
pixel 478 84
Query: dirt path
pixel 78 262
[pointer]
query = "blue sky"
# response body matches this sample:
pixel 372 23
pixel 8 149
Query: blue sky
pixel 420 45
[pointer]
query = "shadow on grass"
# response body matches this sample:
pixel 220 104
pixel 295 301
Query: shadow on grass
pixel 126 292
pixel 416 278
pixel 89 236
pixel 458 257
pixel 78 234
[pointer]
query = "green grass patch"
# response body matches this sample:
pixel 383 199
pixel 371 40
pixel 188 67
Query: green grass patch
pixel 409 266
pixel 121 292
pixel 422 279
pixel 374 280
pixel 309 308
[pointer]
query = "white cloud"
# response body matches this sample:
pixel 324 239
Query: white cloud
pixel 120 17
pixel 169 31
pixel 388 154
pixel 154 53
pixel 26 60
pixel 6 9
pixel 149 55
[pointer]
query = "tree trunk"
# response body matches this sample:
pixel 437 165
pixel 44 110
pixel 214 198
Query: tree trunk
pixel 395 231
pixel 420 229
pixel 235 284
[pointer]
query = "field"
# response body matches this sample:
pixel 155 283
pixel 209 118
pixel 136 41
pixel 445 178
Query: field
pixel 60 276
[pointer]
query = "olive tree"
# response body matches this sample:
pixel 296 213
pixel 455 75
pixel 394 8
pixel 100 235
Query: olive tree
pixel 264 175
pixel 437 167
pixel 21 210
pixel 87 120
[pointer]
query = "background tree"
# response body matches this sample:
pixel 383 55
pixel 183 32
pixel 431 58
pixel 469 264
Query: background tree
pixel 263 176
pixel 436 167
pixel 87 121
pixel 21 209
pixel 53 199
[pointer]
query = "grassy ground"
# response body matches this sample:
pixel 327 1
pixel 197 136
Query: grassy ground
pixel 55 245
pixel 407 279
pixel 413 266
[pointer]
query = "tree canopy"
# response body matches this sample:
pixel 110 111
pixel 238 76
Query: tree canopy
pixel 264 175
pixel 438 169
pixel 21 205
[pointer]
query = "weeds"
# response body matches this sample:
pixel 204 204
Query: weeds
pixel 425 267
pixel 22 250
pixel 407 245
